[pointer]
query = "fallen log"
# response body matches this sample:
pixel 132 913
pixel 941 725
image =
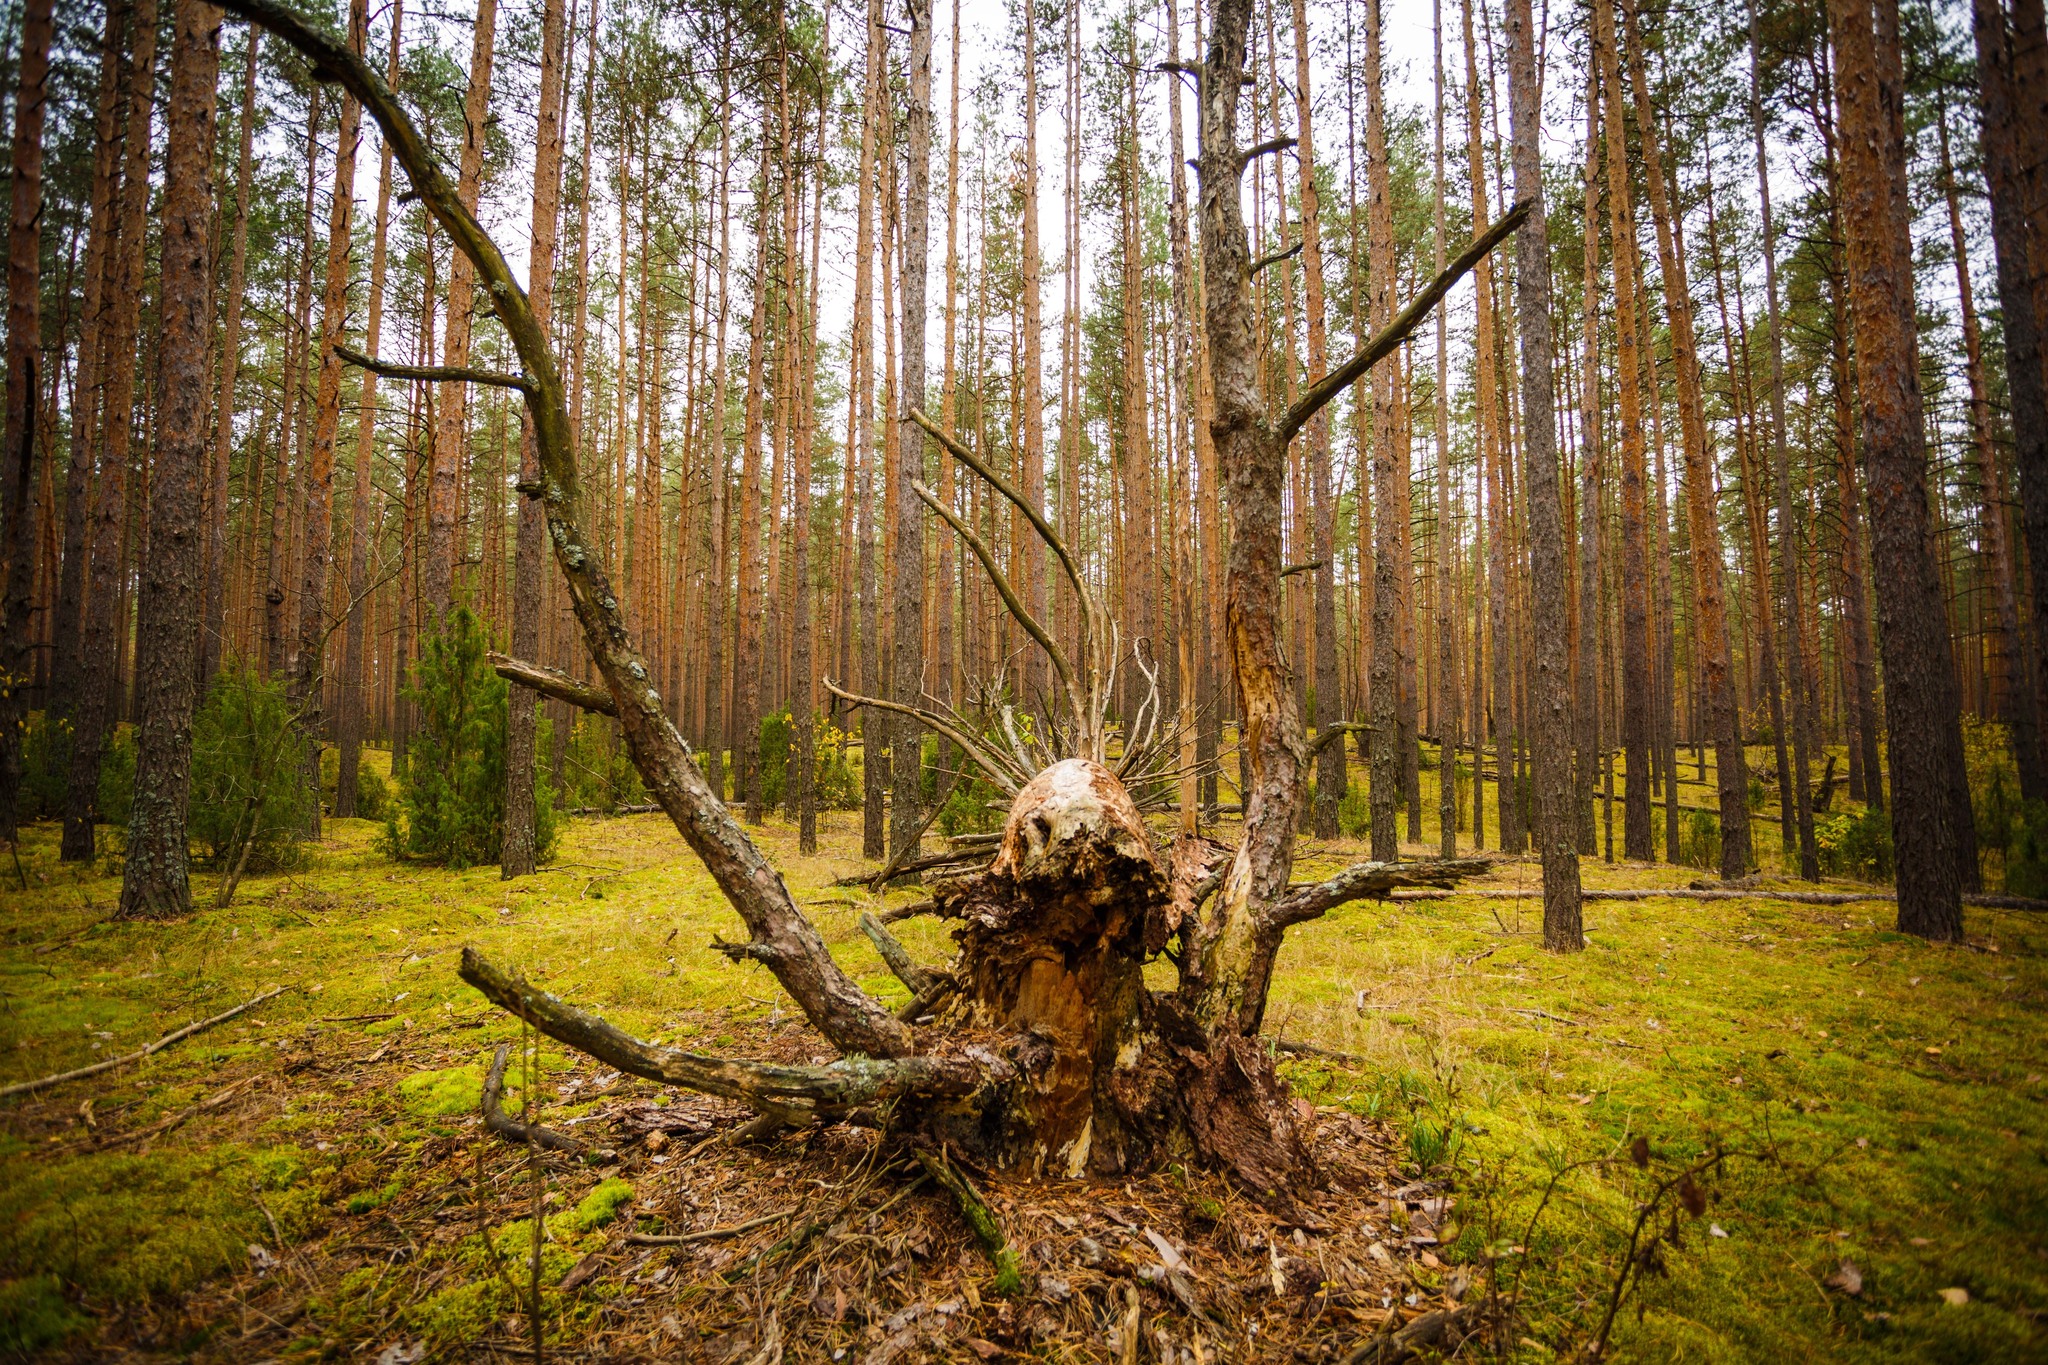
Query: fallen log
pixel 1686 893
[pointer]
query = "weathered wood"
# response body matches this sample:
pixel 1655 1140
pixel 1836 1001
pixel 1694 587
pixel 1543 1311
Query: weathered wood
pixel 553 682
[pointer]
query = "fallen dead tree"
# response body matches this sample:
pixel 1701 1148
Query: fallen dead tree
pixel 1050 1053
pixel 1687 893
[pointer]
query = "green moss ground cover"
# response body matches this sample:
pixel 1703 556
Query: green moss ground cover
pixel 1881 1102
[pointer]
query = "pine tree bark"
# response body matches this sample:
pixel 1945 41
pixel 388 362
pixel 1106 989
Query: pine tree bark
pixel 746 678
pixel 1592 615
pixel 1032 376
pixel 1448 721
pixel 906 746
pixel 1933 837
pixel 99 651
pixel 519 852
pixel 88 403
pixel 309 682
pixel 2011 129
pixel 350 701
pixel 1384 742
pixel 1329 708
pixel 1637 685
pixel 2016 699
pixel 19 480
pixel 153 883
pixel 1713 657
pixel 213 644
pixel 1788 536
pixel 1556 839
pixel 451 431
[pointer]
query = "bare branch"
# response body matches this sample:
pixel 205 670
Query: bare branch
pixel 1275 258
pixel 553 682
pixel 1363 881
pixel 1257 150
pixel 1092 632
pixel 897 956
pixel 1337 729
pixel 796 1093
pixel 1010 782
pixel 1394 333
pixel 433 374
pixel 1006 591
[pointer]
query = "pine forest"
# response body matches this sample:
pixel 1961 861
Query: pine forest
pixel 1185 681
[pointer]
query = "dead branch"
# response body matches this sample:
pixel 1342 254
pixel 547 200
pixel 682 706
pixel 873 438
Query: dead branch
pixel 897 956
pixel 654 1239
pixel 1444 1326
pixel 1337 730
pixel 795 1093
pixel 1008 593
pixel 980 1217
pixel 1257 150
pixel 1394 333
pixel 1369 881
pixel 1006 779
pixel 433 374
pixel 517 1133
pixel 553 682
pixel 1090 738
pixel 177 1035
pixel 1275 258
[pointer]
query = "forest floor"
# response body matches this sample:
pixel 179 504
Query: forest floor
pixel 1844 1155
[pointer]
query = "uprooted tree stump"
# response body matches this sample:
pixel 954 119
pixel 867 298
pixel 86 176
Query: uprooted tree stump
pixel 1040 1047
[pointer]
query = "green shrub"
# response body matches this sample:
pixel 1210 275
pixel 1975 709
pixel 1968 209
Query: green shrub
pixel 452 791
pixel 1699 840
pixel 45 767
pixel 838 778
pixel 1758 794
pixel 1856 845
pixel 1354 812
pixel 248 773
pixel 778 747
pixel 2026 861
pixel 117 775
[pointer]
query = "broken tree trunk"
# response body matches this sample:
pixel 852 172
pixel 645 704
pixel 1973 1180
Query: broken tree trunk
pixel 1051 1052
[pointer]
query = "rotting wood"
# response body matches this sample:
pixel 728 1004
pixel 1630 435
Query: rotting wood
pixel 510 1129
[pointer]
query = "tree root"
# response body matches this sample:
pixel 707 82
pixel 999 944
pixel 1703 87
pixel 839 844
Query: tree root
pixel 511 1129
pixel 980 1217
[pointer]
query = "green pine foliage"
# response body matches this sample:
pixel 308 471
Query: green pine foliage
pixel 46 769
pixel 837 782
pixel 248 773
pixel 452 788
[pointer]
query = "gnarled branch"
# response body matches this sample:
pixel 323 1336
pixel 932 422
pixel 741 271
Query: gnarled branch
pixel 553 682
pixel 1362 881
pixel 1394 333
pixel 433 374
pixel 792 1092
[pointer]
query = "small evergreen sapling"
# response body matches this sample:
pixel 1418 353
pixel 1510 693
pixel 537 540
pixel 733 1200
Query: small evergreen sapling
pixel 452 786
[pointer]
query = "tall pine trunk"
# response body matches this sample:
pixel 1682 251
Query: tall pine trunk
pixel 1932 833
pixel 153 883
